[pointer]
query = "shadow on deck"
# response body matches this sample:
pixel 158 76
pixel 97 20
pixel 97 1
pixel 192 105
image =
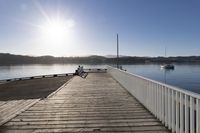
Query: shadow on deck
pixel 31 89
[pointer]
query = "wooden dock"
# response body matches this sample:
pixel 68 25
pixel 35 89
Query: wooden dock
pixel 10 109
pixel 96 103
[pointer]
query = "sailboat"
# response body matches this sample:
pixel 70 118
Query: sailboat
pixel 167 65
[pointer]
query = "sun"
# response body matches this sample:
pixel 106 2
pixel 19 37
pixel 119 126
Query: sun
pixel 56 31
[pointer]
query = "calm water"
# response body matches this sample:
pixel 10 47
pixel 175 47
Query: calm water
pixel 183 76
pixel 7 72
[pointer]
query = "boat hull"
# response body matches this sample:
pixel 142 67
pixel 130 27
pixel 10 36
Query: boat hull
pixel 167 66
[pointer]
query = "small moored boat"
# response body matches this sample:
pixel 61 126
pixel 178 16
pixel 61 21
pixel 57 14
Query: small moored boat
pixel 167 66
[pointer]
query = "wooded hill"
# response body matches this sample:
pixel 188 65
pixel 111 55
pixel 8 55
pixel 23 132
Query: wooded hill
pixel 10 59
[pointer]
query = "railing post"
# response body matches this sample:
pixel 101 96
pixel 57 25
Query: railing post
pixel 173 112
pixel 157 102
pixel 150 98
pixel 147 98
pixel 160 102
pixel 177 112
pixel 166 114
pixel 153 98
pixel 191 114
pixel 186 114
pixel 169 108
pixel 197 115
pixel 181 113
pixel 163 104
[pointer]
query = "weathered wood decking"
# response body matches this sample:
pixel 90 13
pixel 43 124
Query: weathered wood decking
pixel 10 109
pixel 95 104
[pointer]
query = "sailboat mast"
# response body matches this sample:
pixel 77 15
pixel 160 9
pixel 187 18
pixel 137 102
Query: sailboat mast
pixel 117 51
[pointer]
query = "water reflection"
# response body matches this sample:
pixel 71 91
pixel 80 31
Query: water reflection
pixel 165 73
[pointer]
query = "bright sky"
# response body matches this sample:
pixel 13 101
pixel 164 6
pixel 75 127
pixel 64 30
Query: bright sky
pixel 89 27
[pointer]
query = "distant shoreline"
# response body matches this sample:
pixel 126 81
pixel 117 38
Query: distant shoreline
pixel 11 59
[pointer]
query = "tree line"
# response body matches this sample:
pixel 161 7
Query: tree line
pixel 10 59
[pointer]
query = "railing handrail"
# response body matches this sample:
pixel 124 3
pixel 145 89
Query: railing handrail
pixel 187 92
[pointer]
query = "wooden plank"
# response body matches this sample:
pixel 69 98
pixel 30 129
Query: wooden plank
pixel 2 103
pixel 77 117
pixel 147 129
pixel 83 125
pixel 80 122
pixel 14 108
pixel 80 119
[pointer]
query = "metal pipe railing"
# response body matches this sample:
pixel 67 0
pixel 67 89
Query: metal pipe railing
pixel 177 109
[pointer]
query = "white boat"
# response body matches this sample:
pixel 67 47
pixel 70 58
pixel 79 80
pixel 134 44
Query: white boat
pixel 167 66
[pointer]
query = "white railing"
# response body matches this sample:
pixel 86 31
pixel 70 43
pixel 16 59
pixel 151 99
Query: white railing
pixel 178 109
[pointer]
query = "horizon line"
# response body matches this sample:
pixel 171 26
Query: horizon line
pixel 106 56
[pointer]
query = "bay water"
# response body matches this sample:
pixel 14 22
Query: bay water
pixel 186 76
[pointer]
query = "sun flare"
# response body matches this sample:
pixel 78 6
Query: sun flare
pixel 56 31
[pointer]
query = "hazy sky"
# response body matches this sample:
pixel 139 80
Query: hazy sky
pixel 89 27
